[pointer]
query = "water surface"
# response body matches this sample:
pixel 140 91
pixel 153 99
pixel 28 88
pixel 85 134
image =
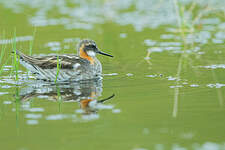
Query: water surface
pixel 167 76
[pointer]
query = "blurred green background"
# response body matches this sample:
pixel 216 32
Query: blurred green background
pixel 167 75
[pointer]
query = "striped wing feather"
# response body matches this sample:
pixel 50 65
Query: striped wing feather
pixel 50 62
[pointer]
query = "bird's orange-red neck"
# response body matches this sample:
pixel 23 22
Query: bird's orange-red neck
pixel 84 102
pixel 84 55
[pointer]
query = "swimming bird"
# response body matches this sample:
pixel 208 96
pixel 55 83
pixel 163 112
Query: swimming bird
pixel 67 67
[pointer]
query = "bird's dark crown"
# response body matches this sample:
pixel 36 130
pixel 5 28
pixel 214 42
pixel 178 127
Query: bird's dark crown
pixel 87 45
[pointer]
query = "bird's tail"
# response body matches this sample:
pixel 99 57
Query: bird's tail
pixel 23 57
pixel 27 61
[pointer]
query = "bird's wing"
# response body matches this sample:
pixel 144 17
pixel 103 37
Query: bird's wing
pixel 63 61
pixel 51 62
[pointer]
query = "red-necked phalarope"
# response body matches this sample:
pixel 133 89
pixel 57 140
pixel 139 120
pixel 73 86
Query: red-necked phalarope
pixel 83 66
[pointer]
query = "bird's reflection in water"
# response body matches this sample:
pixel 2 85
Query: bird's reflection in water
pixel 85 93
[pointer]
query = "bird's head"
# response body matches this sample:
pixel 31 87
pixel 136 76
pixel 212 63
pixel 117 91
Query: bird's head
pixel 88 48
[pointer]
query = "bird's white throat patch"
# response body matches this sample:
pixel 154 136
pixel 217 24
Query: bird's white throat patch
pixel 91 53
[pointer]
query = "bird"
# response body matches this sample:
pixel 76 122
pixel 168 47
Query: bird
pixel 66 67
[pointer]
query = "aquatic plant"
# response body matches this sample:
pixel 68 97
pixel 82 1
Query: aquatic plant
pixel 58 68
pixel 59 65
pixel 15 57
pixel 219 91
pixel 32 41
pixel 2 53
pixel 17 103
pixel 59 97
pixel 2 48
pixel 4 64
pixel 186 27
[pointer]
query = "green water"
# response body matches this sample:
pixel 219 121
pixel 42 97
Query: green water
pixel 169 91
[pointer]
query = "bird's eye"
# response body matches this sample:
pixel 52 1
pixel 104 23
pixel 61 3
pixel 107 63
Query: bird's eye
pixel 92 46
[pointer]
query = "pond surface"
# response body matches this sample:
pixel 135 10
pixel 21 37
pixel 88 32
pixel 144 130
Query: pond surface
pixel 163 90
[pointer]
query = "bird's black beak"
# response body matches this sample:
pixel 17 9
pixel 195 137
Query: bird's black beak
pixel 99 52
